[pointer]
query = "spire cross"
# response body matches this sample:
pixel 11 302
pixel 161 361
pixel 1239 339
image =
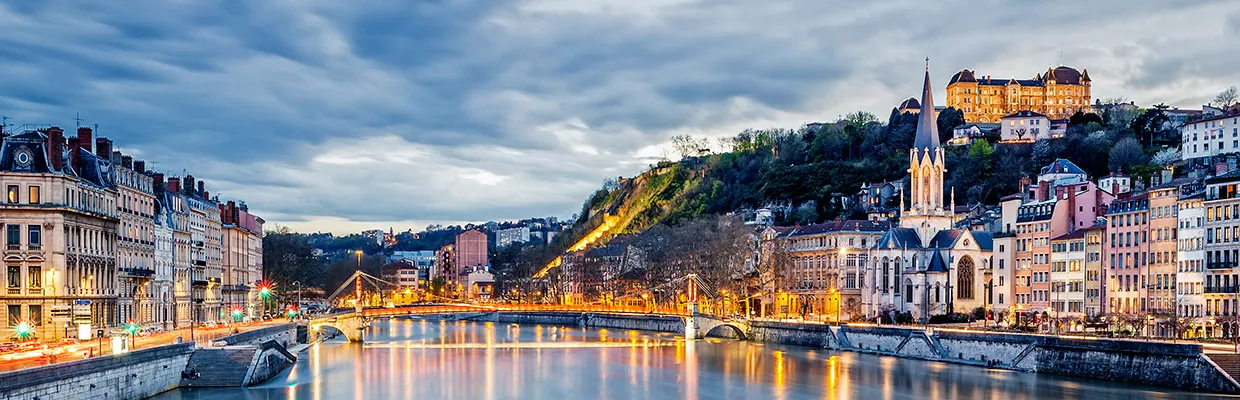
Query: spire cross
pixel 927 64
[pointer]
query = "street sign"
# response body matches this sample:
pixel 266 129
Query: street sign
pixel 81 302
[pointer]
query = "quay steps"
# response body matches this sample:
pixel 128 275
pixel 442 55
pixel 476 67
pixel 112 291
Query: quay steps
pixel 1229 362
pixel 220 367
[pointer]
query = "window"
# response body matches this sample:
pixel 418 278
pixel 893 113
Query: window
pixel 15 276
pixel 36 314
pixel 35 276
pixel 35 234
pixel 15 314
pixel 13 196
pixel 34 195
pixel 14 235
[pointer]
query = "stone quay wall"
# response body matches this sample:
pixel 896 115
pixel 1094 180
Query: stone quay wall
pixel 284 334
pixel 134 375
pixel 1180 366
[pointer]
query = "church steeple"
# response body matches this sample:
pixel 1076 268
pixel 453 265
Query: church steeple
pixel 927 125
pixel 927 213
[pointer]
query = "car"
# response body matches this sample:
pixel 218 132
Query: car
pixel 8 347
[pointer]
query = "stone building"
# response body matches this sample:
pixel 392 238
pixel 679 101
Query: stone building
pixel 827 267
pixel 60 227
pixel 1058 93
pixel 1128 250
pixel 925 267
pixel 1221 207
pixel 241 260
pixel 1190 253
pixel 135 248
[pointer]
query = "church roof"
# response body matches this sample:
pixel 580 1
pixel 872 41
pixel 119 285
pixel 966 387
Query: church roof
pixel 927 127
pixel 899 238
pixel 947 238
pixel 937 264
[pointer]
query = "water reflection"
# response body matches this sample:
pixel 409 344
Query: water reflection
pixel 459 360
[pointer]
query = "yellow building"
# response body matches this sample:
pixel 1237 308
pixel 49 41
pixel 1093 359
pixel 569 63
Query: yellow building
pixel 1058 93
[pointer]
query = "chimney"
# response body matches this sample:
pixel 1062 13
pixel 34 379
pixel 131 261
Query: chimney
pixel 127 161
pixel 1024 186
pixel 1220 168
pixel 1044 189
pixel 56 147
pixel 189 184
pixel 139 166
pixel 158 178
pixel 103 148
pixel 1166 176
pixel 84 137
pixel 174 185
pixel 206 195
pixel 202 188
pixel 74 153
pixel 1071 191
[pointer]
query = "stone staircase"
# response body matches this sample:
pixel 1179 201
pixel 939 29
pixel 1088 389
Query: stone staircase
pixel 219 366
pixel 1228 362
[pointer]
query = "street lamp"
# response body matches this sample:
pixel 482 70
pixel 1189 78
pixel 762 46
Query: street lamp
pixel 298 284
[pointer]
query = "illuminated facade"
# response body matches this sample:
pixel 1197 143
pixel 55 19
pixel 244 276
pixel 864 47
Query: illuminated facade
pixel 1058 93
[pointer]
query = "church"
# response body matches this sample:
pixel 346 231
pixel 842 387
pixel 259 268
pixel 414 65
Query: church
pixel 925 266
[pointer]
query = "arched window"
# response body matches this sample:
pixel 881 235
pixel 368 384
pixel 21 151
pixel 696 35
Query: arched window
pixel 964 278
pixel 908 290
pixel 887 269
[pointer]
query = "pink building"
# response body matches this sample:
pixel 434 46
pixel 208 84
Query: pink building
pixel 471 251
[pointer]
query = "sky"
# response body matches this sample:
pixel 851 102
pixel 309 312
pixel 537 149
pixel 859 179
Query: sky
pixel 340 116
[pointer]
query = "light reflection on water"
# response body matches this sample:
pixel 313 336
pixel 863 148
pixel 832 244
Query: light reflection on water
pixel 410 359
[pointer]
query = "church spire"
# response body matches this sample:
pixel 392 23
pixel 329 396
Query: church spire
pixel 927 125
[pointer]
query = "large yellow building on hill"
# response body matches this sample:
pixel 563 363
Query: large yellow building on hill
pixel 1058 93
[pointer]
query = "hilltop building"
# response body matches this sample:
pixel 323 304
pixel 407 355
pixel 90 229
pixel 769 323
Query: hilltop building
pixel 1058 93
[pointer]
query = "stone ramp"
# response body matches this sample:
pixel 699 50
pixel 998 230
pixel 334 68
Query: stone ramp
pixel 219 366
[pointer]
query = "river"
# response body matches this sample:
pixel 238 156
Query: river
pixel 417 359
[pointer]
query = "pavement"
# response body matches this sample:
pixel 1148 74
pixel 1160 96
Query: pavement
pixel 58 352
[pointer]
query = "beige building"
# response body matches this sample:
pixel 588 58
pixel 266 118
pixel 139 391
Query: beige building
pixel 827 264
pixel 1058 93
pixel 135 247
pixel 242 259
pixel 60 223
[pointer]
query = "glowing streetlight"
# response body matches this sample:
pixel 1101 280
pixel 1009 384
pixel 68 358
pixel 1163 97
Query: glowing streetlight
pixel 24 329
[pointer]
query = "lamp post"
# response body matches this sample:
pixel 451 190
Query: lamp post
pixel 298 284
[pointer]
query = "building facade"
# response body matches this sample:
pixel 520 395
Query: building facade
pixel 1057 93
pixel 1190 253
pixel 924 267
pixel 1221 207
pixel 1204 139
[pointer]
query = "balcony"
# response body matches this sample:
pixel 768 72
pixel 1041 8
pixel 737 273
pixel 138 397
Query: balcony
pixel 1222 289
pixel 197 282
pixel 14 290
pixel 13 246
pixel 140 272
pixel 200 263
pixel 1220 264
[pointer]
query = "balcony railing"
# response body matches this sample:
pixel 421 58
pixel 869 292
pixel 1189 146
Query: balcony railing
pixel 14 290
pixel 200 263
pixel 1221 289
pixel 12 246
pixel 1220 264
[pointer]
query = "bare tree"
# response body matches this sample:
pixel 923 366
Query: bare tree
pixel 1226 98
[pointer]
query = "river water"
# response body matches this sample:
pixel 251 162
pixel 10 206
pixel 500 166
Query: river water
pixel 417 359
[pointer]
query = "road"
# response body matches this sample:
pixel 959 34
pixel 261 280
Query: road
pixel 63 353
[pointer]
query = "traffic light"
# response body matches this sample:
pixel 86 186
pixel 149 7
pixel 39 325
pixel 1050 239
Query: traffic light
pixel 132 327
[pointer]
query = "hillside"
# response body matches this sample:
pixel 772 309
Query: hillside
pixel 811 170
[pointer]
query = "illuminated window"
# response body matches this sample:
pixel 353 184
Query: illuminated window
pixel 34 195
pixel 13 194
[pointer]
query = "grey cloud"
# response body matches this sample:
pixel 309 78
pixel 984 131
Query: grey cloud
pixel 472 110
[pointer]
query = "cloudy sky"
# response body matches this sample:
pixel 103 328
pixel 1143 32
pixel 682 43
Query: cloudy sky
pixel 347 115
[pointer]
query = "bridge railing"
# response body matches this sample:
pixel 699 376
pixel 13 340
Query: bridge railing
pixel 459 308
